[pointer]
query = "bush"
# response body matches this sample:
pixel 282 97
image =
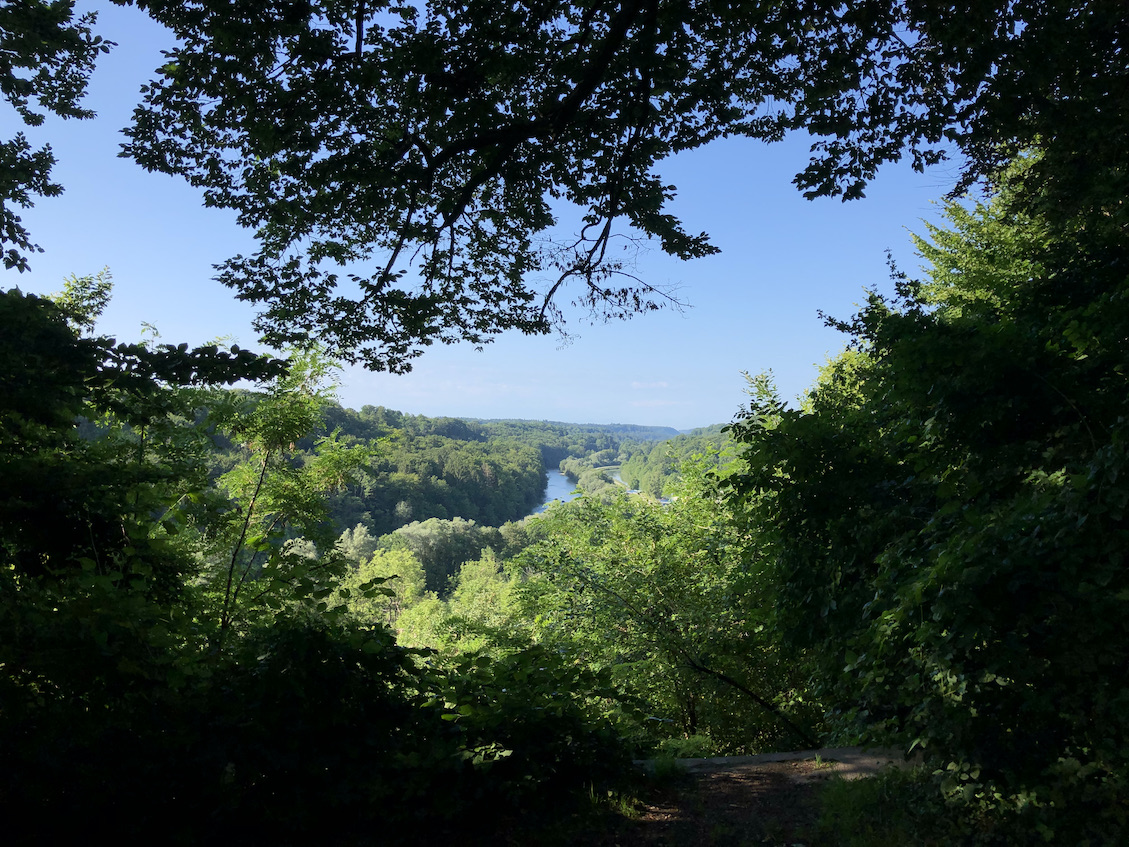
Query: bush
pixel 310 733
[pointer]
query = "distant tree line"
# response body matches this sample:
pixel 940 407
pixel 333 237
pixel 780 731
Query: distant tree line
pixel 422 468
pixel 558 441
pixel 928 552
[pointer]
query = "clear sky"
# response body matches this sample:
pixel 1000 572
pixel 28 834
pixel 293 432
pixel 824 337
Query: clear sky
pixel 753 307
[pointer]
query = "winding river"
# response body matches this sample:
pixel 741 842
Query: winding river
pixel 560 487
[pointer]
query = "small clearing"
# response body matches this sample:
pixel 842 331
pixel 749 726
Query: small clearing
pixel 746 800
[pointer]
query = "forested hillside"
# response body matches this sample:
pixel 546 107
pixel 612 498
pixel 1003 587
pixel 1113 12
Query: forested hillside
pixel 435 468
pixel 649 467
pixel 559 441
pixel 445 489
pixel 653 467
pixel 927 552
pixel 489 472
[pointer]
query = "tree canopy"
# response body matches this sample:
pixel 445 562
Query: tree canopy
pixel 147 607
pixel 46 57
pixel 405 166
pixel 946 517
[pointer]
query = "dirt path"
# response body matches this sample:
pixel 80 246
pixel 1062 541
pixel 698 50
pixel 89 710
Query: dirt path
pixel 746 800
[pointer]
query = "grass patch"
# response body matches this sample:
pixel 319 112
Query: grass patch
pixel 909 807
pixel 893 809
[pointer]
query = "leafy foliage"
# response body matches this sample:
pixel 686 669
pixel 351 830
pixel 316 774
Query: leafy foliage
pixel 443 546
pixel 269 497
pixel 669 598
pixel 386 222
pixel 71 498
pixel 935 538
pixel 397 571
pixel 949 520
pixel 173 638
pixel 46 57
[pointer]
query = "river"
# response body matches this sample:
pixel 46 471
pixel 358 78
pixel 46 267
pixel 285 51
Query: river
pixel 560 487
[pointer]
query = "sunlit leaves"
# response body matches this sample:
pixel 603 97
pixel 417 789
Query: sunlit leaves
pixel 273 495
pixel 673 599
pixel 945 507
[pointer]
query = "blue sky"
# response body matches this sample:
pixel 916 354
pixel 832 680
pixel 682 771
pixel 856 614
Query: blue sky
pixel 753 307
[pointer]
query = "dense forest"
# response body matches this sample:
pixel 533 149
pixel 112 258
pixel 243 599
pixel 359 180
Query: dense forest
pixel 649 467
pixel 250 616
pixel 490 472
pixel 445 488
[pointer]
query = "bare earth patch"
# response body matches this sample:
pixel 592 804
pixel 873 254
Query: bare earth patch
pixel 746 800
